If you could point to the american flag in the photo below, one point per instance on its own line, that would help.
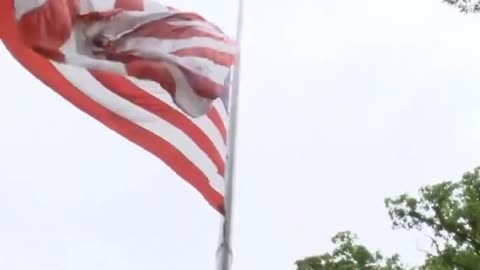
(153, 74)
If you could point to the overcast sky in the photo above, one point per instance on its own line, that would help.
(342, 104)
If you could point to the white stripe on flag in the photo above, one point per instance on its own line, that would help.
(204, 67)
(201, 25)
(205, 124)
(77, 53)
(218, 104)
(22, 7)
(152, 6)
(85, 82)
(171, 45)
(87, 6)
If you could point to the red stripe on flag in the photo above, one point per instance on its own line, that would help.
(37, 31)
(126, 89)
(47, 73)
(6, 13)
(202, 85)
(96, 16)
(218, 57)
(161, 29)
(129, 4)
(216, 119)
(151, 70)
(190, 16)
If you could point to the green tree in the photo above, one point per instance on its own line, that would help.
(348, 255)
(465, 6)
(450, 212)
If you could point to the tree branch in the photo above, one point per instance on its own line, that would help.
(461, 234)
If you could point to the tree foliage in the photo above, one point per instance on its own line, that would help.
(448, 213)
(465, 6)
(348, 255)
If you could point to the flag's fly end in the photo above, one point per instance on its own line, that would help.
(126, 100)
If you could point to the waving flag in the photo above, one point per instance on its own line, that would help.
(155, 75)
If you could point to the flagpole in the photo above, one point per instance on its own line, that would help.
(225, 249)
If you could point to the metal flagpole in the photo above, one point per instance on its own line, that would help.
(225, 249)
